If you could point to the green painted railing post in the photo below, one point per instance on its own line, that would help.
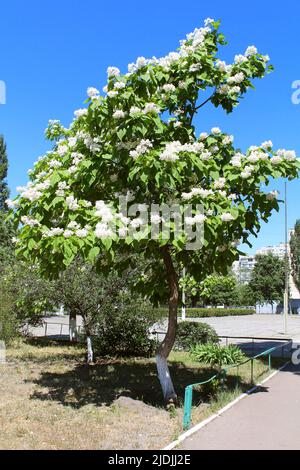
(270, 361)
(188, 400)
(252, 371)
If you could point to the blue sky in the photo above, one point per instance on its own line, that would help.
(51, 51)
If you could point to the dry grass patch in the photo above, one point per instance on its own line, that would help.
(50, 399)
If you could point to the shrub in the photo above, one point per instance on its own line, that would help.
(217, 312)
(217, 356)
(125, 332)
(9, 326)
(190, 334)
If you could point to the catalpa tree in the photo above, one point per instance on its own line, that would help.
(138, 141)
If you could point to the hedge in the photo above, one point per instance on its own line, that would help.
(210, 312)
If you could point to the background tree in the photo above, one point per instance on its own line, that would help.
(93, 294)
(218, 290)
(32, 297)
(4, 191)
(243, 296)
(295, 254)
(139, 141)
(267, 281)
(6, 227)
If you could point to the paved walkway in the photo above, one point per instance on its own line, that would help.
(56, 326)
(269, 419)
(255, 325)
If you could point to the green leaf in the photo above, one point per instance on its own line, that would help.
(93, 253)
(31, 244)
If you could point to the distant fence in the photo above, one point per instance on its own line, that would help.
(58, 330)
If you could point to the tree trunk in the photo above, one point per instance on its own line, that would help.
(73, 327)
(166, 346)
(195, 300)
(90, 353)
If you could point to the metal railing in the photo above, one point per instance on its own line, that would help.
(61, 325)
(188, 398)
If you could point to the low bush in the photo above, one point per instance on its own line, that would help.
(189, 334)
(124, 332)
(9, 326)
(217, 356)
(210, 312)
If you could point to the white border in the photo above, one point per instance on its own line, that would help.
(204, 423)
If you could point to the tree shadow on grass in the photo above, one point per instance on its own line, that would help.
(102, 384)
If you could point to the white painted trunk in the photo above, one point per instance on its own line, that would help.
(165, 379)
(90, 354)
(73, 329)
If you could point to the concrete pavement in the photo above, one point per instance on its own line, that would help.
(255, 325)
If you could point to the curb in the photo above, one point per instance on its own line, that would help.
(204, 423)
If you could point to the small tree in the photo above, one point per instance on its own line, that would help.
(267, 281)
(4, 191)
(295, 254)
(31, 297)
(139, 141)
(243, 295)
(90, 294)
(218, 290)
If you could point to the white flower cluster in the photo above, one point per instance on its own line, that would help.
(72, 203)
(216, 131)
(197, 219)
(113, 72)
(54, 164)
(236, 160)
(247, 172)
(80, 112)
(29, 221)
(192, 42)
(169, 88)
(172, 150)
(203, 193)
(33, 192)
(251, 50)
(151, 108)
(276, 160)
(11, 204)
(228, 140)
(257, 155)
(62, 187)
(141, 149)
(104, 211)
(229, 90)
(119, 114)
(267, 145)
(92, 143)
(236, 79)
(220, 183)
(103, 231)
(272, 195)
(227, 217)
(54, 232)
(93, 93)
(289, 155)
